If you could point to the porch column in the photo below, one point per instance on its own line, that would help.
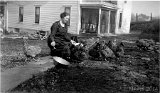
(79, 18)
(116, 22)
(99, 21)
(109, 22)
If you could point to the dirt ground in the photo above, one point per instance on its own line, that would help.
(138, 73)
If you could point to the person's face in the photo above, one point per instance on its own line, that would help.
(65, 19)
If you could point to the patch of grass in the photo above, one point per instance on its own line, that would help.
(12, 51)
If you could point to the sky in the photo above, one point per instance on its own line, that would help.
(146, 7)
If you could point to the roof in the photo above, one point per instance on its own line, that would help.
(99, 4)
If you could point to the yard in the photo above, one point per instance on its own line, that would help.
(12, 51)
(136, 74)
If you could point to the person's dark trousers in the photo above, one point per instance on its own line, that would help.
(60, 66)
(62, 49)
(75, 38)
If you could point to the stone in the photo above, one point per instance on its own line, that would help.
(136, 75)
(157, 43)
(144, 58)
(158, 51)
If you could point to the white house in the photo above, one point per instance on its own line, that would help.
(98, 17)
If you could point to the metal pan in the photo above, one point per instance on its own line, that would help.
(61, 60)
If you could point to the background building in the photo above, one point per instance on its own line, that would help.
(98, 17)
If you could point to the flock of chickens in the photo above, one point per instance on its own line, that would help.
(103, 50)
(93, 48)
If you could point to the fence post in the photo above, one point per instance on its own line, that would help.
(136, 17)
(151, 17)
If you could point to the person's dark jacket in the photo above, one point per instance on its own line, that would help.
(59, 33)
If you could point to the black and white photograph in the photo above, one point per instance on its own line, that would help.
(79, 46)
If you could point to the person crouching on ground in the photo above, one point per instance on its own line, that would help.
(59, 41)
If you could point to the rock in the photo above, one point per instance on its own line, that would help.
(128, 41)
(136, 75)
(151, 48)
(157, 43)
(109, 65)
(124, 68)
(119, 75)
(43, 60)
(158, 51)
(144, 58)
(145, 44)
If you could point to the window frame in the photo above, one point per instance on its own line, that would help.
(120, 19)
(37, 21)
(65, 10)
(21, 13)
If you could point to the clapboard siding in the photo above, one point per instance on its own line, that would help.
(49, 13)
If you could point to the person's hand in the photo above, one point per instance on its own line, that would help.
(81, 45)
(74, 43)
(53, 43)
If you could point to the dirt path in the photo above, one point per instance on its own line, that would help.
(90, 77)
(10, 78)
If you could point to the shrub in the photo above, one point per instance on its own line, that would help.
(152, 28)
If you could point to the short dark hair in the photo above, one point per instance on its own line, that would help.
(64, 14)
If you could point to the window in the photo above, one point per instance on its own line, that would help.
(2, 10)
(20, 14)
(37, 14)
(89, 20)
(120, 20)
(68, 10)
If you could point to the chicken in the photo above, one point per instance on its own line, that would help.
(101, 51)
(106, 52)
(117, 48)
(112, 45)
(94, 51)
(91, 42)
(78, 53)
(30, 50)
